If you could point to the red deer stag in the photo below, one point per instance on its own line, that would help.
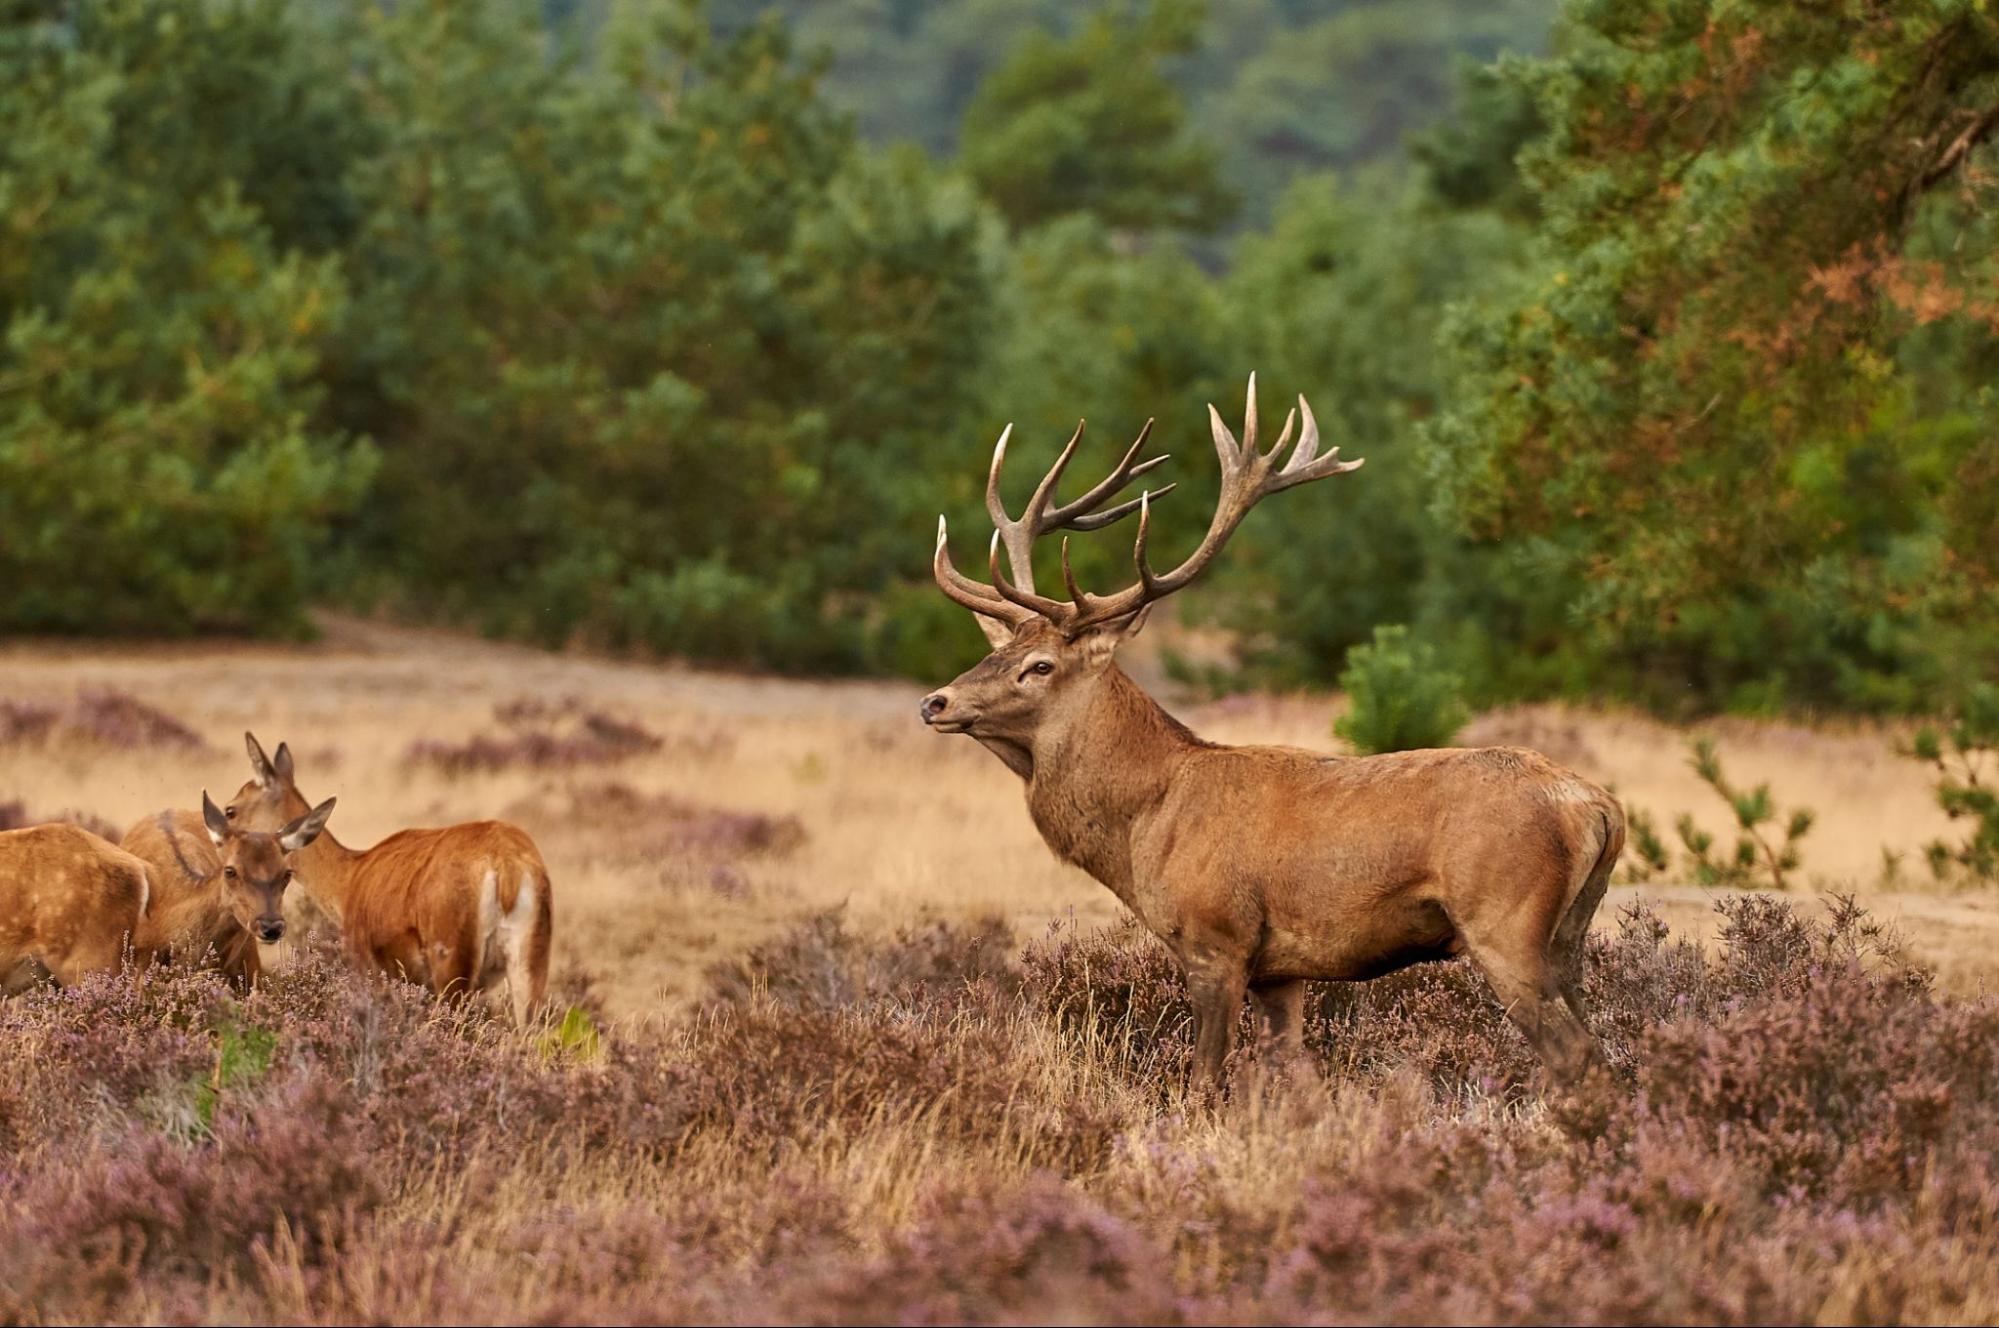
(70, 904)
(217, 885)
(1265, 867)
(459, 910)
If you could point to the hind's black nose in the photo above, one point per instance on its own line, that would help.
(934, 705)
(270, 933)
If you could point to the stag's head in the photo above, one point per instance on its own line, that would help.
(257, 865)
(1049, 655)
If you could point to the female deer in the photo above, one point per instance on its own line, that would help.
(217, 885)
(1264, 867)
(460, 910)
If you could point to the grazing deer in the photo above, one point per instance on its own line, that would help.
(1264, 867)
(217, 885)
(70, 904)
(459, 910)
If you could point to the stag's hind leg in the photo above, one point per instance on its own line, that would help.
(1535, 1001)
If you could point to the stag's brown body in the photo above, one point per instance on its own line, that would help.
(70, 904)
(1265, 867)
(462, 909)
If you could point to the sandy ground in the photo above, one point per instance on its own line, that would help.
(899, 825)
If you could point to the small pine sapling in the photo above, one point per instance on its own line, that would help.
(1966, 757)
(1758, 853)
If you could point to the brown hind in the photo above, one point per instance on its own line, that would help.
(462, 909)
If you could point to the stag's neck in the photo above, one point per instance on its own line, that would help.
(328, 867)
(1093, 779)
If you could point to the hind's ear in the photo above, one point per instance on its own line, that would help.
(282, 762)
(212, 817)
(260, 765)
(306, 828)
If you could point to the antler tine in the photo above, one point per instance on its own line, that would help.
(1072, 515)
(994, 508)
(1052, 609)
(1076, 595)
(1032, 518)
(963, 590)
(1109, 516)
(1305, 465)
(1248, 476)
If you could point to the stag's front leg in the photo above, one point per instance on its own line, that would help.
(1215, 987)
(1280, 1020)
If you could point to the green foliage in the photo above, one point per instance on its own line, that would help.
(242, 1056)
(575, 1038)
(1401, 699)
(1759, 855)
(161, 466)
(1727, 417)
(1649, 855)
(1966, 757)
(1093, 125)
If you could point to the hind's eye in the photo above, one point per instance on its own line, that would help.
(229, 812)
(230, 872)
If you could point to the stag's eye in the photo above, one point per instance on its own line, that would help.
(1043, 666)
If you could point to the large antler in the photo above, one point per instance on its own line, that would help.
(1248, 476)
(1015, 601)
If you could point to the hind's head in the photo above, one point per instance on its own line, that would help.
(257, 865)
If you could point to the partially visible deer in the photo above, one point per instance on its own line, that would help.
(1264, 867)
(218, 886)
(70, 904)
(460, 910)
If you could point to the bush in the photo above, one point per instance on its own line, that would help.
(1401, 699)
(1966, 757)
(916, 1129)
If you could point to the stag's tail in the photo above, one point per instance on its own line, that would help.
(1566, 946)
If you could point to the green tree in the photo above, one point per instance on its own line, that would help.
(1718, 437)
(161, 469)
(1094, 124)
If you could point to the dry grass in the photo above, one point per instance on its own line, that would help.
(898, 825)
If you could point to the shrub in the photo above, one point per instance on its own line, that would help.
(1966, 757)
(1757, 850)
(1402, 699)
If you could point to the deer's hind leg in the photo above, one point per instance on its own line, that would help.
(1524, 980)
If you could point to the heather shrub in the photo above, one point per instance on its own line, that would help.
(540, 735)
(917, 1128)
(821, 963)
(101, 715)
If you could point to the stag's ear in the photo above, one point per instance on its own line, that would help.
(212, 817)
(1099, 643)
(282, 762)
(260, 765)
(998, 634)
(306, 828)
